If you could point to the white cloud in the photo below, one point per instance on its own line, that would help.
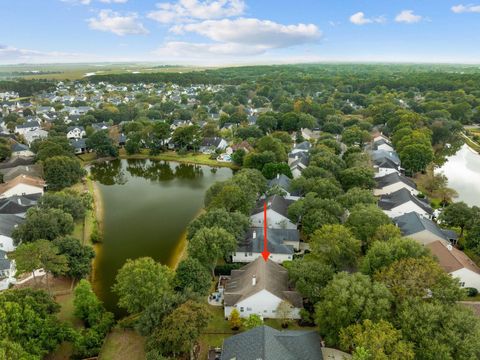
(360, 19)
(408, 16)
(470, 8)
(111, 21)
(10, 55)
(264, 34)
(113, 1)
(82, 2)
(202, 50)
(188, 10)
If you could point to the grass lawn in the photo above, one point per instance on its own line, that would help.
(87, 157)
(123, 344)
(66, 310)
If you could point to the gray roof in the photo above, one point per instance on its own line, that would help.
(18, 204)
(303, 146)
(78, 143)
(269, 275)
(4, 262)
(399, 197)
(379, 142)
(30, 170)
(384, 156)
(282, 181)
(28, 124)
(276, 202)
(413, 223)
(20, 160)
(19, 147)
(394, 178)
(266, 343)
(212, 141)
(8, 223)
(275, 237)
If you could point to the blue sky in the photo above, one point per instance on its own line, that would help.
(216, 32)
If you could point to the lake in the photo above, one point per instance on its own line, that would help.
(463, 173)
(147, 206)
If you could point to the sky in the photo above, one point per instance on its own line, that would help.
(220, 32)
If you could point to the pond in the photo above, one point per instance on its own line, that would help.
(146, 207)
(463, 173)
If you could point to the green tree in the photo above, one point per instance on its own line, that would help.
(349, 299)
(416, 157)
(387, 232)
(192, 275)
(102, 144)
(62, 171)
(140, 282)
(271, 170)
(364, 220)
(357, 177)
(235, 223)
(284, 312)
(67, 201)
(235, 320)
(53, 146)
(380, 339)
(79, 257)
(252, 321)
(356, 196)
(457, 214)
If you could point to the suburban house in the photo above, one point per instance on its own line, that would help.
(30, 170)
(266, 343)
(28, 126)
(22, 185)
(281, 183)
(244, 145)
(281, 244)
(79, 145)
(302, 147)
(382, 144)
(277, 217)
(456, 263)
(18, 205)
(297, 166)
(37, 134)
(421, 229)
(17, 161)
(385, 162)
(308, 134)
(393, 182)
(76, 132)
(20, 150)
(212, 144)
(179, 123)
(258, 288)
(8, 223)
(402, 202)
(101, 126)
(7, 271)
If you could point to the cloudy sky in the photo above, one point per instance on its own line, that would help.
(215, 32)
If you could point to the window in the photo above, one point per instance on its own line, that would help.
(264, 311)
(249, 309)
(246, 254)
(462, 284)
(241, 309)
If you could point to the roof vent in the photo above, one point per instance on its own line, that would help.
(254, 234)
(449, 247)
(254, 280)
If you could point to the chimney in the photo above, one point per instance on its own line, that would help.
(449, 247)
(254, 235)
(278, 176)
(254, 280)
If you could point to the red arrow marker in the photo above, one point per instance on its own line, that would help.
(265, 252)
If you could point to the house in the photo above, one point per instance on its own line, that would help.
(212, 144)
(20, 150)
(79, 146)
(277, 217)
(421, 229)
(258, 288)
(7, 271)
(402, 202)
(308, 134)
(281, 184)
(32, 135)
(282, 244)
(34, 170)
(266, 343)
(8, 223)
(302, 147)
(456, 263)
(17, 161)
(76, 132)
(385, 162)
(18, 205)
(299, 155)
(101, 126)
(382, 144)
(392, 182)
(22, 185)
(28, 126)
(244, 145)
(180, 123)
(297, 165)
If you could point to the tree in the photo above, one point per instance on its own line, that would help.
(335, 245)
(357, 176)
(62, 171)
(186, 137)
(235, 320)
(310, 276)
(472, 240)
(235, 223)
(382, 254)
(356, 196)
(43, 224)
(102, 144)
(67, 201)
(209, 244)
(271, 170)
(380, 339)
(140, 282)
(13, 350)
(457, 214)
(252, 321)
(180, 329)
(284, 312)
(410, 278)
(386, 232)
(53, 146)
(349, 299)
(364, 220)
(192, 275)
(416, 157)
(79, 257)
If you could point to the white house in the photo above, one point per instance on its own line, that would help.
(76, 132)
(421, 229)
(277, 217)
(281, 184)
(32, 135)
(7, 271)
(8, 223)
(22, 185)
(382, 144)
(28, 126)
(210, 145)
(21, 150)
(457, 264)
(258, 288)
(385, 162)
(280, 243)
(402, 202)
(392, 182)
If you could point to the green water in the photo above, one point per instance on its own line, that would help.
(146, 206)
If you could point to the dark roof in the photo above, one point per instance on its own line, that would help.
(299, 155)
(280, 180)
(28, 124)
(21, 160)
(17, 204)
(399, 197)
(379, 142)
(303, 146)
(8, 222)
(269, 275)
(70, 128)
(34, 170)
(19, 147)
(413, 223)
(266, 343)
(276, 202)
(380, 156)
(78, 143)
(253, 241)
(4, 262)
(394, 178)
(212, 141)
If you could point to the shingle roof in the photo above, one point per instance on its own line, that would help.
(451, 260)
(303, 146)
(212, 141)
(276, 202)
(413, 223)
(20, 160)
(394, 178)
(4, 262)
(8, 223)
(266, 343)
(269, 276)
(18, 204)
(22, 179)
(399, 197)
(380, 156)
(282, 181)
(275, 237)
(12, 173)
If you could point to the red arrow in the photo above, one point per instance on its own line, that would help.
(265, 252)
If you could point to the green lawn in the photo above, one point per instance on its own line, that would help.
(123, 344)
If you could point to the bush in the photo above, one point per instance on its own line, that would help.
(226, 269)
(96, 236)
(471, 291)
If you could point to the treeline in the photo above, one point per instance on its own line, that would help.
(27, 87)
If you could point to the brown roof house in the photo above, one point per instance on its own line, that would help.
(457, 264)
(22, 185)
(258, 288)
